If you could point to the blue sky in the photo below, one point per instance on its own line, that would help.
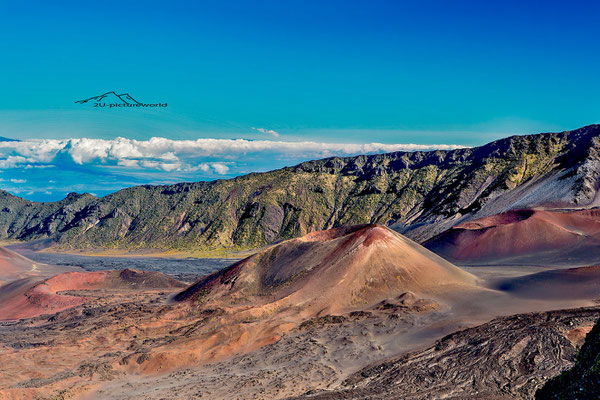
(324, 74)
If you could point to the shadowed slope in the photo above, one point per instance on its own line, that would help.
(572, 235)
(583, 380)
(572, 283)
(331, 271)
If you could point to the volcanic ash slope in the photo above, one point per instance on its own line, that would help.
(332, 271)
(532, 236)
(14, 266)
(255, 301)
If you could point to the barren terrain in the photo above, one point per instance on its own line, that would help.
(343, 313)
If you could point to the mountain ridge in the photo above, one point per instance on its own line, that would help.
(419, 194)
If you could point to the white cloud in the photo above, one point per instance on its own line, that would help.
(18, 180)
(220, 168)
(13, 162)
(129, 163)
(204, 167)
(161, 154)
(267, 131)
(36, 150)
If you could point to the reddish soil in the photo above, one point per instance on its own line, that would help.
(259, 299)
(331, 271)
(297, 316)
(569, 234)
(27, 297)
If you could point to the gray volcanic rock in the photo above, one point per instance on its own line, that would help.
(583, 380)
(507, 358)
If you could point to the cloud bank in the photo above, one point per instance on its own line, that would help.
(178, 155)
(48, 169)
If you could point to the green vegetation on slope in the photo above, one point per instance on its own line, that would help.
(419, 193)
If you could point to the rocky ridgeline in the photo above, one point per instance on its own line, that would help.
(417, 193)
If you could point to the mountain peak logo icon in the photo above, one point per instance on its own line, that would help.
(110, 97)
(114, 100)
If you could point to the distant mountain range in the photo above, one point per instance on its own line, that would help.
(419, 194)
